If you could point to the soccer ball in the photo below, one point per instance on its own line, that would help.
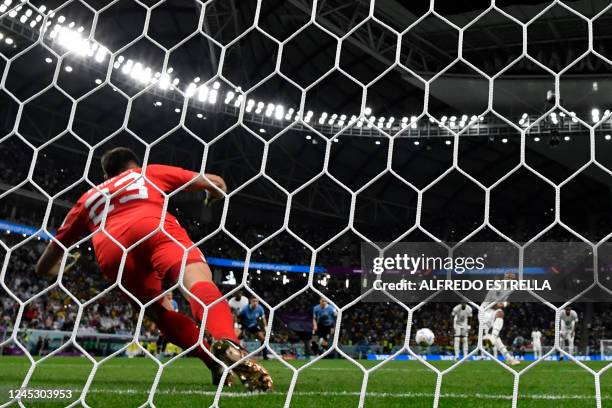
(424, 337)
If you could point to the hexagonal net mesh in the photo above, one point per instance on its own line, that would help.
(179, 78)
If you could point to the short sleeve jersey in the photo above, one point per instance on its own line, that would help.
(136, 198)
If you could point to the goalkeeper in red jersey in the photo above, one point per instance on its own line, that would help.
(135, 212)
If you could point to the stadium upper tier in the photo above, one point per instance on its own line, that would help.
(206, 95)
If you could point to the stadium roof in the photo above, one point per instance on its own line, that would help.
(427, 47)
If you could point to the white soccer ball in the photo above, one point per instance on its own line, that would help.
(424, 337)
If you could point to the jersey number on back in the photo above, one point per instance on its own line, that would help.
(97, 200)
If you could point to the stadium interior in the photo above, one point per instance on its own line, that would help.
(317, 160)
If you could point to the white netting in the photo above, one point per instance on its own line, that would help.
(64, 42)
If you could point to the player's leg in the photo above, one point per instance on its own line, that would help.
(464, 337)
(198, 282)
(498, 324)
(562, 345)
(457, 340)
(261, 336)
(220, 324)
(570, 343)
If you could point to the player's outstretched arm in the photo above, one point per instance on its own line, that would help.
(48, 264)
(213, 184)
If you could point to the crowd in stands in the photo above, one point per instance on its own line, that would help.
(371, 325)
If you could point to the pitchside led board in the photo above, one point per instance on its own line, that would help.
(486, 272)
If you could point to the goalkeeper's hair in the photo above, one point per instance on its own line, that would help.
(116, 160)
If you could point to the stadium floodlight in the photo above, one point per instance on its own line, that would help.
(136, 70)
(212, 96)
(229, 96)
(595, 115)
(164, 81)
(279, 112)
(47, 60)
(238, 100)
(443, 119)
(127, 67)
(269, 109)
(504, 140)
(203, 93)
(157, 103)
(567, 138)
(608, 137)
(191, 90)
(536, 139)
(308, 137)
(68, 68)
(448, 142)
(367, 111)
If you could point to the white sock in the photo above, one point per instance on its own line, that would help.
(498, 323)
(457, 340)
(500, 346)
(465, 346)
(571, 349)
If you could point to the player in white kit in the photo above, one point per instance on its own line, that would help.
(569, 318)
(491, 318)
(461, 315)
(536, 343)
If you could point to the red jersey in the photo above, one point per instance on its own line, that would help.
(138, 200)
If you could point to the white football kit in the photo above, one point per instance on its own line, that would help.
(492, 324)
(461, 326)
(238, 305)
(568, 330)
(536, 343)
(460, 319)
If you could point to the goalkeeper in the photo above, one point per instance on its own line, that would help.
(130, 209)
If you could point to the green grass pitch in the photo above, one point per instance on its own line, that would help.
(123, 382)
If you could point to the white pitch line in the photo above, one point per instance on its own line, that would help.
(548, 397)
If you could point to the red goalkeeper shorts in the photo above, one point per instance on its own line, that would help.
(152, 261)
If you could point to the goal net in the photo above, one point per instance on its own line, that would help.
(335, 124)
